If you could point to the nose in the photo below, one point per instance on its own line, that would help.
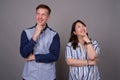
(39, 16)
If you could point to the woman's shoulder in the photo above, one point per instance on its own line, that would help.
(94, 42)
(69, 44)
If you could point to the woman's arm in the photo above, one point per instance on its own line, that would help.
(78, 63)
(92, 55)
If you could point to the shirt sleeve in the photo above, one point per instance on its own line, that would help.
(53, 52)
(26, 46)
(96, 47)
(68, 52)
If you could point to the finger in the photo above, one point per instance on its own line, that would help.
(39, 24)
(39, 21)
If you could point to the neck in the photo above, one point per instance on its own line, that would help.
(44, 27)
(80, 39)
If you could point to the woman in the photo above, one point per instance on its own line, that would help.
(82, 54)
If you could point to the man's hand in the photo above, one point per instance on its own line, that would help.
(38, 30)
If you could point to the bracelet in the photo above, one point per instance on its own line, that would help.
(88, 43)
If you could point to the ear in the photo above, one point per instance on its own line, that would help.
(49, 16)
(74, 32)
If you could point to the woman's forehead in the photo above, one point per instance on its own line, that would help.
(79, 24)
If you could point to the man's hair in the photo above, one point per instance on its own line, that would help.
(44, 7)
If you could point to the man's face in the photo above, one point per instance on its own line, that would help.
(42, 16)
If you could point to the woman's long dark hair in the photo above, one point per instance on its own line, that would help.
(73, 37)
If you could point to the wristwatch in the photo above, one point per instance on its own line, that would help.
(88, 43)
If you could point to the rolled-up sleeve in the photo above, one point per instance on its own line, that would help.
(96, 47)
(68, 52)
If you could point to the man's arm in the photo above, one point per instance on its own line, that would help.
(26, 46)
(53, 52)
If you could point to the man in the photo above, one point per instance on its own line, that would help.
(40, 47)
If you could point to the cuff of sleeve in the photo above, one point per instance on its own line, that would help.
(37, 58)
(34, 42)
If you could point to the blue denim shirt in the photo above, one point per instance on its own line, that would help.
(46, 50)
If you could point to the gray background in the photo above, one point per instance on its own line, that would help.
(101, 16)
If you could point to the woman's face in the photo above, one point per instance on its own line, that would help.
(80, 29)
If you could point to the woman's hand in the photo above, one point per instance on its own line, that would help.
(30, 58)
(86, 38)
(91, 62)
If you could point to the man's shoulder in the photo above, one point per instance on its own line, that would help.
(52, 30)
(30, 28)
